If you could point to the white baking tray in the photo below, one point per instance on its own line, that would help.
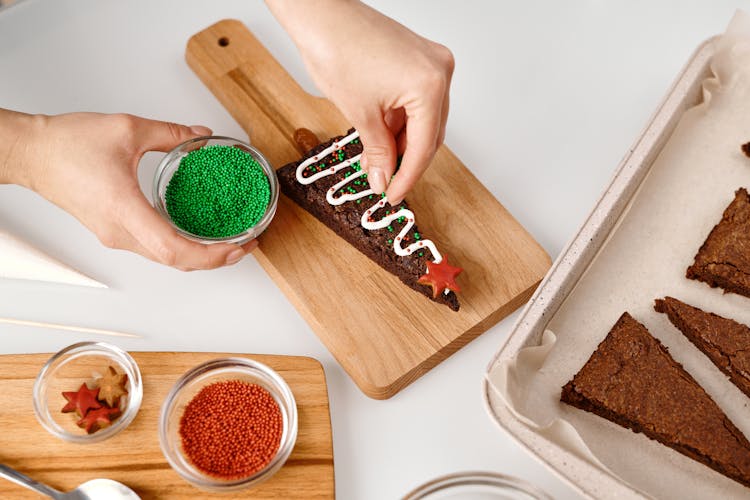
(590, 480)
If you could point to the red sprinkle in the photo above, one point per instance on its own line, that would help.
(231, 429)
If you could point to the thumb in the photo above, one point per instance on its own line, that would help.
(379, 152)
(165, 136)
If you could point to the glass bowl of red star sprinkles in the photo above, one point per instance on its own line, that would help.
(228, 424)
(88, 392)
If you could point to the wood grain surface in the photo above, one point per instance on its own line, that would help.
(133, 456)
(384, 334)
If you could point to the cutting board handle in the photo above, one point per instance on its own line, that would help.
(257, 90)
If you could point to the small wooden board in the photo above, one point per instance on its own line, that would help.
(384, 334)
(134, 457)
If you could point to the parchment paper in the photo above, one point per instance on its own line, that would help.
(683, 196)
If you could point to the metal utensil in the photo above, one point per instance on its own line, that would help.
(96, 489)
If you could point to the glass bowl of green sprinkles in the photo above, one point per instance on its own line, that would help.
(216, 190)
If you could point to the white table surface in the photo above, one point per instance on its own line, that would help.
(547, 97)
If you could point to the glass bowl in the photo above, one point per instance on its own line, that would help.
(477, 485)
(171, 162)
(218, 370)
(74, 365)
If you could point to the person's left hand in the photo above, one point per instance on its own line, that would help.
(86, 163)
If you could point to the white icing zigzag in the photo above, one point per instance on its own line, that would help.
(367, 220)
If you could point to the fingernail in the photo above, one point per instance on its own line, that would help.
(200, 130)
(235, 256)
(392, 199)
(249, 247)
(376, 177)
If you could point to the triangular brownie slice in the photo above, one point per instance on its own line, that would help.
(724, 258)
(329, 183)
(725, 341)
(633, 381)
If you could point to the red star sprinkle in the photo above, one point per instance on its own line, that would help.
(82, 400)
(441, 277)
(97, 419)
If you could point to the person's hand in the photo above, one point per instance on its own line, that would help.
(391, 83)
(86, 163)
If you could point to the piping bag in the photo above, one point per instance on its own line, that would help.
(20, 260)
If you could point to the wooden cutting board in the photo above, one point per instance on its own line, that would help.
(384, 334)
(134, 457)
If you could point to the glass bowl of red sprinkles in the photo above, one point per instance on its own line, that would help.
(88, 392)
(228, 424)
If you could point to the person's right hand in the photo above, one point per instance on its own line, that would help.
(86, 163)
(389, 82)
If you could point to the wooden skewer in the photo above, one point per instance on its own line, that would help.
(82, 329)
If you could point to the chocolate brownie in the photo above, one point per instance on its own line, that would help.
(632, 380)
(346, 218)
(725, 341)
(724, 258)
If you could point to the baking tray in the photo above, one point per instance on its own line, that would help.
(572, 263)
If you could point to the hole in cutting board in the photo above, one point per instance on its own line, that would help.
(223, 41)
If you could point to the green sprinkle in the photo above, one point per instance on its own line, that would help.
(390, 241)
(417, 236)
(421, 254)
(217, 191)
(390, 228)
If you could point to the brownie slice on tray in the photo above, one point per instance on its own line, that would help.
(632, 380)
(725, 341)
(329, 183)
(724, 258)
